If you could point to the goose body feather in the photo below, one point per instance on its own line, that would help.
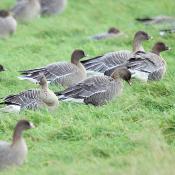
(95, 90)
(65, 74)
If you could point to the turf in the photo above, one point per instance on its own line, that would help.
(134, 134)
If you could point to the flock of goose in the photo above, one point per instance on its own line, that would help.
(94, 81)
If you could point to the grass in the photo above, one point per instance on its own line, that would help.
(134, 134)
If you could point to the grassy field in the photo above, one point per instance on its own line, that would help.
(134, 134)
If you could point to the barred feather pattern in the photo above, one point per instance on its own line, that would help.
(102, 63)
(95, 90)
(29, 99)
(65, 74)
(149, 63)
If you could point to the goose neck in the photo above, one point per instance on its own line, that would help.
(137, 45)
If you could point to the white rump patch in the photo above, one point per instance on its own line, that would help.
(11, 109)
(143, 76)
(29, 79)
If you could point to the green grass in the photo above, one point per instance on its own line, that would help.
(134, 134)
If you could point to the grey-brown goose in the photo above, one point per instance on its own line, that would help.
(147, 65)
(15, 153)
(62, 73)
(8, 24)
(50, 7)
(111, 33)
(111, 59)
(97, 90)
(157, 20)
(31, 99)
(26, 10)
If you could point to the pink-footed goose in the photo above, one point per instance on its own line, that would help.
(26, 10)
(15, 153)
(50, 7)
(146, 65)
(8, 24)
(97, 90)
(111, 33)
(31, 99)
(111, 59)
(63, 73)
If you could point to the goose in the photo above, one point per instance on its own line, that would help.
(146, 65)
(49, 7)
(31, 99)
(2, 68)
(111, 33)
(102, 63)
(157, 20)
(8, 24)
(26, 10)
(97, 90)
(15, 153)
(62, 73)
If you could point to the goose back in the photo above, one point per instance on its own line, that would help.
(26, 10)
(65, 74)
(149, 63)
(104, 62)
(49, 7)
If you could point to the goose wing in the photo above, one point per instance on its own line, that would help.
(55, 73)
(87, 88)
(29, 99)
(145, 62)
(102, 63)
(19, 7)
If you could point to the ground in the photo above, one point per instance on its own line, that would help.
(133, 134)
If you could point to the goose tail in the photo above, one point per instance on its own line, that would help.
(10, 108)
(27, 78)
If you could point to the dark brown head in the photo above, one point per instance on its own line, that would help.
(141, 35)
(113, 30)
(4, 13)
(21, 126)
(42, 79)
(77, 55)
(159, 47)
(123, 73)
(24, 125)
(2, 68)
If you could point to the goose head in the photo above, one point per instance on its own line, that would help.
(77, 55)
(113, 30)
(4, 13)
(21, 126)
(42, 80)
(2, 68)
(142, 36)
(123, 73)
(24, 125)
(159, 47)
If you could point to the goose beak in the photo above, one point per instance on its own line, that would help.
(150, 38)
(168, 48)
(129, 82)
(32, 125)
